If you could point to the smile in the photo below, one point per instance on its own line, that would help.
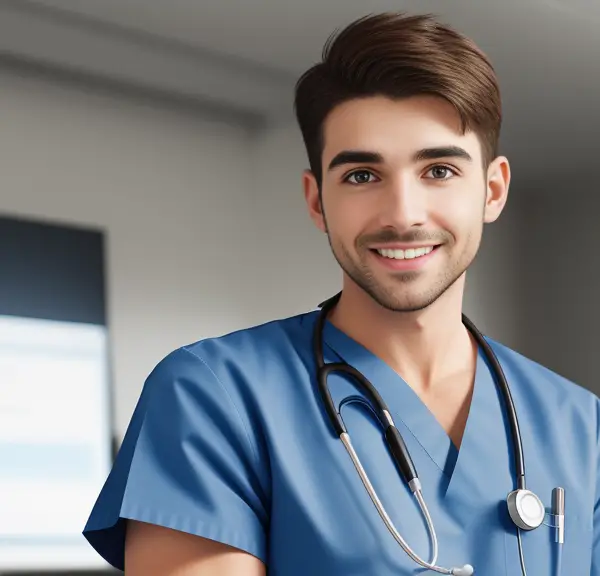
(408, 254)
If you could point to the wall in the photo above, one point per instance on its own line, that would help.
(559, 277)
(295, 266)
(171, 189)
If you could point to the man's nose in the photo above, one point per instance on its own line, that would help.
(404, 204)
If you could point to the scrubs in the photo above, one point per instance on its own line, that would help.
(230, 441)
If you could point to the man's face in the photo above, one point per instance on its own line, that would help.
(404, 197)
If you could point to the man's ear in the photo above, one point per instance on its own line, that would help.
(312, 195)
(498, 183)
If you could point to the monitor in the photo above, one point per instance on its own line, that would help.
(55, 401)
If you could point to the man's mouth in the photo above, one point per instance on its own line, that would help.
(406, 254)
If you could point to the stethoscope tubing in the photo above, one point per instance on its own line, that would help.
(394, 440)
(379, 405)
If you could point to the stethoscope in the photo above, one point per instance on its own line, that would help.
(525, 508)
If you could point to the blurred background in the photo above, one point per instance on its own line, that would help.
(151, 196)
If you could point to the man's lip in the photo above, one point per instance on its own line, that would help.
(402, 246)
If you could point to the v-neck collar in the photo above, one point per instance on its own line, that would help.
(406, 406)
(480, 473)
(403, 402)
(483, 472)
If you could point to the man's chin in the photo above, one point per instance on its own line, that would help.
(402, 300)
(405, 305)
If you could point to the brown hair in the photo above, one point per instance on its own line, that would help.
(399, 56)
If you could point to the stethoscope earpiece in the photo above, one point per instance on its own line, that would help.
(525, 509)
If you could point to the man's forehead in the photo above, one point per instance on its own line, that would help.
(394, 130)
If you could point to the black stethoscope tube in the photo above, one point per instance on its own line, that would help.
(393, 437)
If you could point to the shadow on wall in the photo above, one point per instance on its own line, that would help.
(559, 280)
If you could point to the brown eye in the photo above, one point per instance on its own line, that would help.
(360, 177)
(441, 172)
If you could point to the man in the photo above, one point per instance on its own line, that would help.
(231, 465)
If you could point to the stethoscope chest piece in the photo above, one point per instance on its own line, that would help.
(525, 509)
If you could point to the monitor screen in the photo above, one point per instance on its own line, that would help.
(55, 393)
(55, 448)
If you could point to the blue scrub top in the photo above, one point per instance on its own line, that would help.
(230, 441)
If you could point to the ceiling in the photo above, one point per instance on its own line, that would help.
(247, 53)
(288, 35)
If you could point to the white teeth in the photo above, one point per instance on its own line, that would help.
(406, 254)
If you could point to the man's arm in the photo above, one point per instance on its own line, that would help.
(156, 551)
(190, 464)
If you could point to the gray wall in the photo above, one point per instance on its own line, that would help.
(558, 272)
(171, 189)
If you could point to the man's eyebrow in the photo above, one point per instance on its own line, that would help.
(442, 152)
(355, 157)
(368, 157)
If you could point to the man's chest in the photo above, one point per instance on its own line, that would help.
(450, 403)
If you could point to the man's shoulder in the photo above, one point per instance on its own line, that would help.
(266, 335)
(530, 375)
(250, 347)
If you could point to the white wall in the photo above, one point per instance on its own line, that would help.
(173, 192)
(296, 269)
(206, 224)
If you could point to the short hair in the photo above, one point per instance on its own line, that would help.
(399, 56)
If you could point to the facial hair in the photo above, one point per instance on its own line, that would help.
(396, 294)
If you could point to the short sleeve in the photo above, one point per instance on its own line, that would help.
(187, 462)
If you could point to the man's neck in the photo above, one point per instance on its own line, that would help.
(426, 347)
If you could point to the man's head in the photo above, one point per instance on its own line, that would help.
(401, 123)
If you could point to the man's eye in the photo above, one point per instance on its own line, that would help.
(360, 177)
(441, 172)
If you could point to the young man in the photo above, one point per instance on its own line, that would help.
(233, 465)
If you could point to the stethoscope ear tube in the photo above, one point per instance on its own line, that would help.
(401, 455)
(509, 405)
(324, 370)
(335, 418)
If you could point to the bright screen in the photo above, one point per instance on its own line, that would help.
(55, 441)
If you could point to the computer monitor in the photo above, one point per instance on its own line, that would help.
(55, 399)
